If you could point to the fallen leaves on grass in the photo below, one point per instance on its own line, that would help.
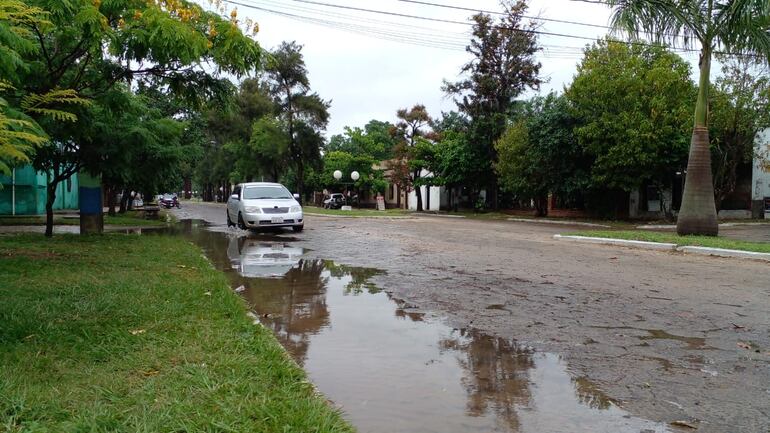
(138, 331)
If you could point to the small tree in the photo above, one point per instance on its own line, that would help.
(740, 110)
(411, 132)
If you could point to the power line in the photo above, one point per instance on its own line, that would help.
(489, 12)
(440, 20)
(454, 41)
(418, 17)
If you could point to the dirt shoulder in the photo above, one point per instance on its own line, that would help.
(667, 336)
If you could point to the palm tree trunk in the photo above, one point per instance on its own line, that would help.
(698, 215)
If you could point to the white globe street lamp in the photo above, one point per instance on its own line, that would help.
(337, 174)
(355, 176)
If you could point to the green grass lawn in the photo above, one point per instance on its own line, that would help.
(356, 212)
(699, 241)
(132, 218)
(125, 333)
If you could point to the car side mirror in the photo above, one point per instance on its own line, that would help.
(296, 197)
(235, 197)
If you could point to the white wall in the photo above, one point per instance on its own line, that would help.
(435, 196)
(761, 178)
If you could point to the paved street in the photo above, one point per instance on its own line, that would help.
(667, 336)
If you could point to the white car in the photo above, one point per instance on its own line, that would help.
(260, 205)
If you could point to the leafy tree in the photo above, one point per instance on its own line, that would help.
(631, 103)
(305, 114)
(740, 109)
(737, 26)
(503, 67)
(91, 46)
(539, 154)
(19, 133)
(375, 140)
(369, 180)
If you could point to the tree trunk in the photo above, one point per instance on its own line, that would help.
(417, 190)
(124, 201)
(300, 179)
(698, 215)
(111, 200)
(51, 197)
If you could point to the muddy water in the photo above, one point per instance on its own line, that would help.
(391, 368)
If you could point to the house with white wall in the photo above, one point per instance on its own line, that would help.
(434, 198)
(760, 180)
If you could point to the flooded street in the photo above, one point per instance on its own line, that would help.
(666, 337)
(393, 368)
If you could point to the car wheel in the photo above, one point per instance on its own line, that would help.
(229, 223)
(241, 224)
(298, 229)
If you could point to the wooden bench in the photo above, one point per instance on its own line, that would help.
(151, 212)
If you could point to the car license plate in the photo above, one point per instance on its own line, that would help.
(277, 220)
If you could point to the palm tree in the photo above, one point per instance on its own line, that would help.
(740, 27)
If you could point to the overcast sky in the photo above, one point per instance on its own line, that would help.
(369, 77)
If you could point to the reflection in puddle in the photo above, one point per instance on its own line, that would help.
(392, 369)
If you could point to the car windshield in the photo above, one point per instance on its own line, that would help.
(266, 192)
(168, 196)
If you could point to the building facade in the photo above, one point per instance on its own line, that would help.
(24, 192)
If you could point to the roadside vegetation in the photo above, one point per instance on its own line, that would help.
(673, 238)
(138, 333)
(133, 219)
(356, 212)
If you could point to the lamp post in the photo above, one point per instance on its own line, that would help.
(353, 175)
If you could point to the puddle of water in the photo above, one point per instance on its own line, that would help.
(396, 370)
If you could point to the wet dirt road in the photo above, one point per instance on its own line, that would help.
(666, 337)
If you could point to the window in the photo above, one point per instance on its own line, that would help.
(266, 193)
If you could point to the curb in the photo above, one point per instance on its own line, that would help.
(565, 222)
(659, 246)
(618, 242)
(719, 252)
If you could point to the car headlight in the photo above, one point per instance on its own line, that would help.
(295, 209)
(252, 209)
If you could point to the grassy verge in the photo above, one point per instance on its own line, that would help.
(128, 333)
(133, 219)
(356, 212)
(699, 241)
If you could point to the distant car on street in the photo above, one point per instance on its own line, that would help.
(258, 205)
(335, 201)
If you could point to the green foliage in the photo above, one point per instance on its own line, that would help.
(371, 179)
(539, 155)
(374, 140)
(304, 114)
(632, 104)
(740, 109)
(133, 144)
(503, 67)
(19, 135)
